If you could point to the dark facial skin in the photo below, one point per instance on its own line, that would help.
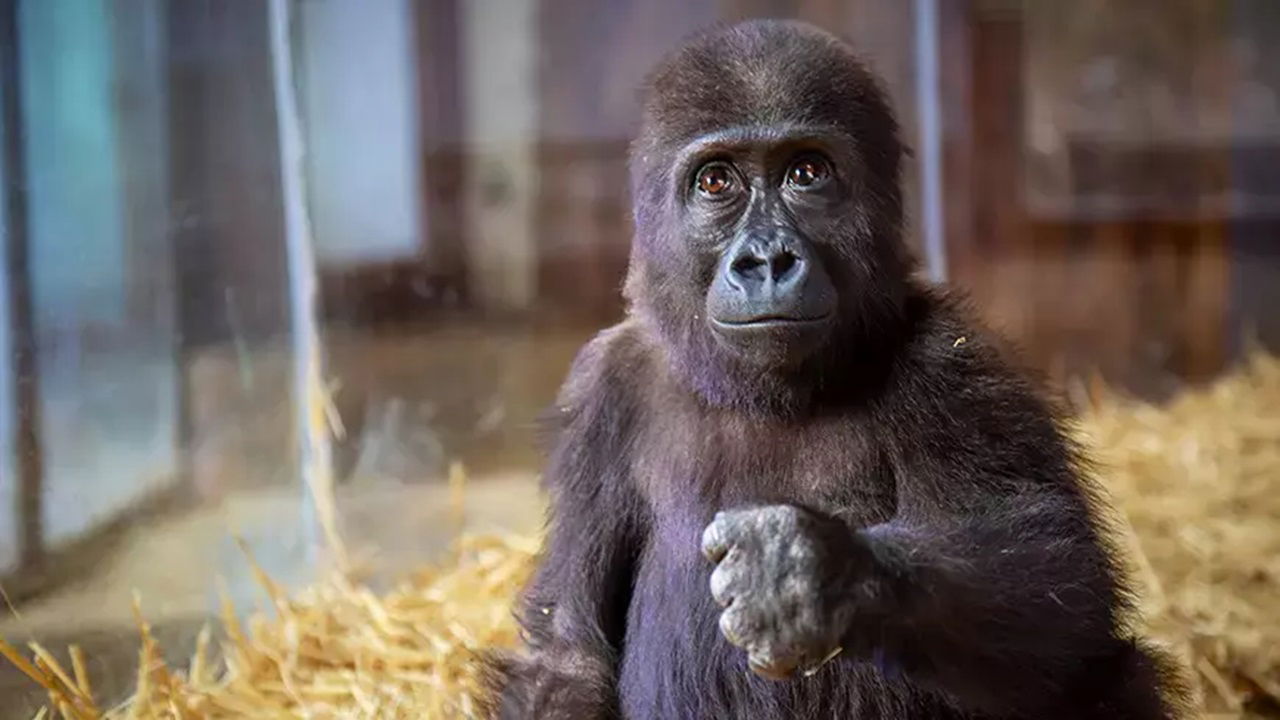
(795, 482)
(753, 200)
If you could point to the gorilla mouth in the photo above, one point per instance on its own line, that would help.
(766, 321)
(772, 339)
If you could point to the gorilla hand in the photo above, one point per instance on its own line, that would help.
(787, 579)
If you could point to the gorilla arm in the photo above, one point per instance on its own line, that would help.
(991, 584)
(998, 583)
(574, 609)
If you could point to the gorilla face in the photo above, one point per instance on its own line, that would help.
(755, 211)
(766, 194)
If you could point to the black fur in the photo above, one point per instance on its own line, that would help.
(958, 556)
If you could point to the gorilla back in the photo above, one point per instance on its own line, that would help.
(796, 482)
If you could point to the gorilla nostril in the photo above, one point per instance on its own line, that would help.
(749, 266)
(782, 265)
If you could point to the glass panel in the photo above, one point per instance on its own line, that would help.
(100, 262)
(1108, 193)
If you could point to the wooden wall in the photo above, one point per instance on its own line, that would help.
(1109, 246)
(1152, 292)
(594, 60)
(225, 201)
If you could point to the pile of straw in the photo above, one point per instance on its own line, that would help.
(335, 650)
(1198, 482)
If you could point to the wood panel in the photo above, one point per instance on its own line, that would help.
(584, 224)
(594, 59)
(441, 74)
(1145, 297)
(224, 200)
(593, 62)
(1127, 270)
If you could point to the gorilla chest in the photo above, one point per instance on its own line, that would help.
(676, 663)
(690, 469)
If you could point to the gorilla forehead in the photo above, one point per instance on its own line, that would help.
(758, 73)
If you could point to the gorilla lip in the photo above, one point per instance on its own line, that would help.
(769, 321)
(775, 340)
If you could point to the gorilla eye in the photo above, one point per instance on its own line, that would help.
(808, 172)
(714, 179)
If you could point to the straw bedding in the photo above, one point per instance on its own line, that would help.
(1198, 481)
(1196, 484)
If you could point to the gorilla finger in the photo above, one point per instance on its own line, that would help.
(726, 580)
(719, 535)
(773, 666)
(737, 626)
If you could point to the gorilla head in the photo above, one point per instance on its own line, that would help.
(768, 213)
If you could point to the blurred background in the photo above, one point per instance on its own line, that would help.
(1102, 177)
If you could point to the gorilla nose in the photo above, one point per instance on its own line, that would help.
(763, 264)
(768, 277)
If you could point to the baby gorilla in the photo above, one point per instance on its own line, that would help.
(794, 458)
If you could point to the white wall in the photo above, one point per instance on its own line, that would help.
(359, 100)
(501, 123)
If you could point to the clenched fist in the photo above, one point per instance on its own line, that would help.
(787, 579)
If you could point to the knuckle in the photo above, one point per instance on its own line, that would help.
(733, 626)
(722, 584)
(713, 542)
(744, 626)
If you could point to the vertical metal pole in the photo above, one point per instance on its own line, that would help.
(24, 378)
(928, 100)
(310, 417)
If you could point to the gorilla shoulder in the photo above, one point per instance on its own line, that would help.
(612, 362)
